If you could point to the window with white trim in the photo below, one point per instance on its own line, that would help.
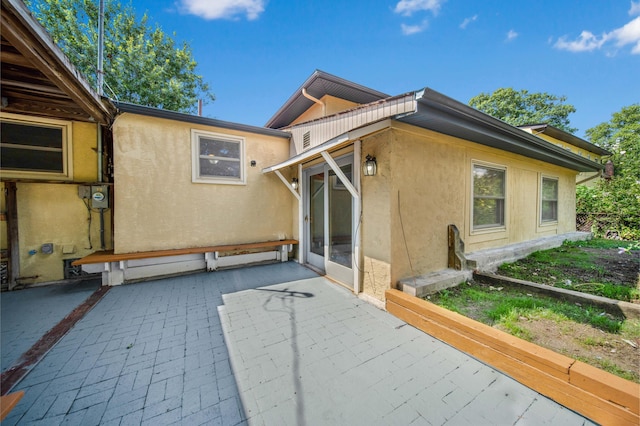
(489, 185)
(35, 148)
(548, 199)
(217, 158)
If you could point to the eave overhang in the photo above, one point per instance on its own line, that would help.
(318, 85)
(440, 113)
(124, 107)
(561, 135)
(37, 78)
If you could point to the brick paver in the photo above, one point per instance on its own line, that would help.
(271, 345)
(42, 307)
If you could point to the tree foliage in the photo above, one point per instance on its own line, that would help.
(519, 108)
(142, 64)
(618, 197)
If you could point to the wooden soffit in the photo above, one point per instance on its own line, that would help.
(36, 76)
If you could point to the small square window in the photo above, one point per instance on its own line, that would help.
(35, 149)
(488, 197)
(217, 158)
(549, 200)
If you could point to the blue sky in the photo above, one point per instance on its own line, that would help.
(256, 53)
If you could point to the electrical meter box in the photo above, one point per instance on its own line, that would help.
(100, 196)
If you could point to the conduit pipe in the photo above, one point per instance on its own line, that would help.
(318, 101)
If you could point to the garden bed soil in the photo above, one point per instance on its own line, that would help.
(581, 341)
(585, 343)
(609, 265)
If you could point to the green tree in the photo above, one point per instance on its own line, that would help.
(519, 108)
(142, 64)
(618, 197)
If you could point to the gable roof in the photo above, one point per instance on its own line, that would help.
(318, 85)
(37, 77)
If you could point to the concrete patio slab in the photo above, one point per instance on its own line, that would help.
(272, 345)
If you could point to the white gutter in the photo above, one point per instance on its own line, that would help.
(318, 101)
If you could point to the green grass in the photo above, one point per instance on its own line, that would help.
(502, 306)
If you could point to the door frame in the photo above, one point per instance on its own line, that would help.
(350, 277)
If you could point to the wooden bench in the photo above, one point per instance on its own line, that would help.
(117, 268)
(7, 402)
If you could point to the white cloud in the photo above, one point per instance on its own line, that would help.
(467, 21)
(511, 35)
(585, 43)
(635, 8)
(414, 29)
(408, 7)
(628, 34)
(219, 9)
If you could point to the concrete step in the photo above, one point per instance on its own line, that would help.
(433, 282)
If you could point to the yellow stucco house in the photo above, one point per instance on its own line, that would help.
(375, 191)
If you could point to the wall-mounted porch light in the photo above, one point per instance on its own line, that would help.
(294, 184)
(370, 166)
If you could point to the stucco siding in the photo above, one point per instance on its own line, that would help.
(376, 217)
(424, 183)
(428, 195)
(332, 105)
(159, 207)
(85, 152)
(53, 213)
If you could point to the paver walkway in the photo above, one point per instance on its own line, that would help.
(303, 351)
(28, 314)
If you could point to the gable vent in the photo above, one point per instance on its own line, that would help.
(306, 140)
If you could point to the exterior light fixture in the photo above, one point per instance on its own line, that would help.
(370, 166)
(294, 184)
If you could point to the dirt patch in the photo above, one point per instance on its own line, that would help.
(604, 272)
(585, 343)
(612, 266)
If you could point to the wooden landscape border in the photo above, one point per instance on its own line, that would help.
(594, 393)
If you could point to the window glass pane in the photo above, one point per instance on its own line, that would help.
(217, 148)
(549, 208)
(488, 197)
(488, 213)
(340, 225)
(37, 136)
(549, 189)
(219, 168)
(29, 160)
(488, 182)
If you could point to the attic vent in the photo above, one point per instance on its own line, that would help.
(306, 140)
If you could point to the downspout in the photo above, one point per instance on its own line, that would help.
(318, 101)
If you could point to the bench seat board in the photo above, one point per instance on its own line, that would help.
(110, 256)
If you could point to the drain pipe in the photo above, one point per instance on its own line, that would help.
(318, 101)
(100, 84)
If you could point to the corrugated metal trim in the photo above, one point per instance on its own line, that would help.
(332, 144)
(188, 118)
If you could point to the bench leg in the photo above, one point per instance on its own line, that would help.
(211, 260)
